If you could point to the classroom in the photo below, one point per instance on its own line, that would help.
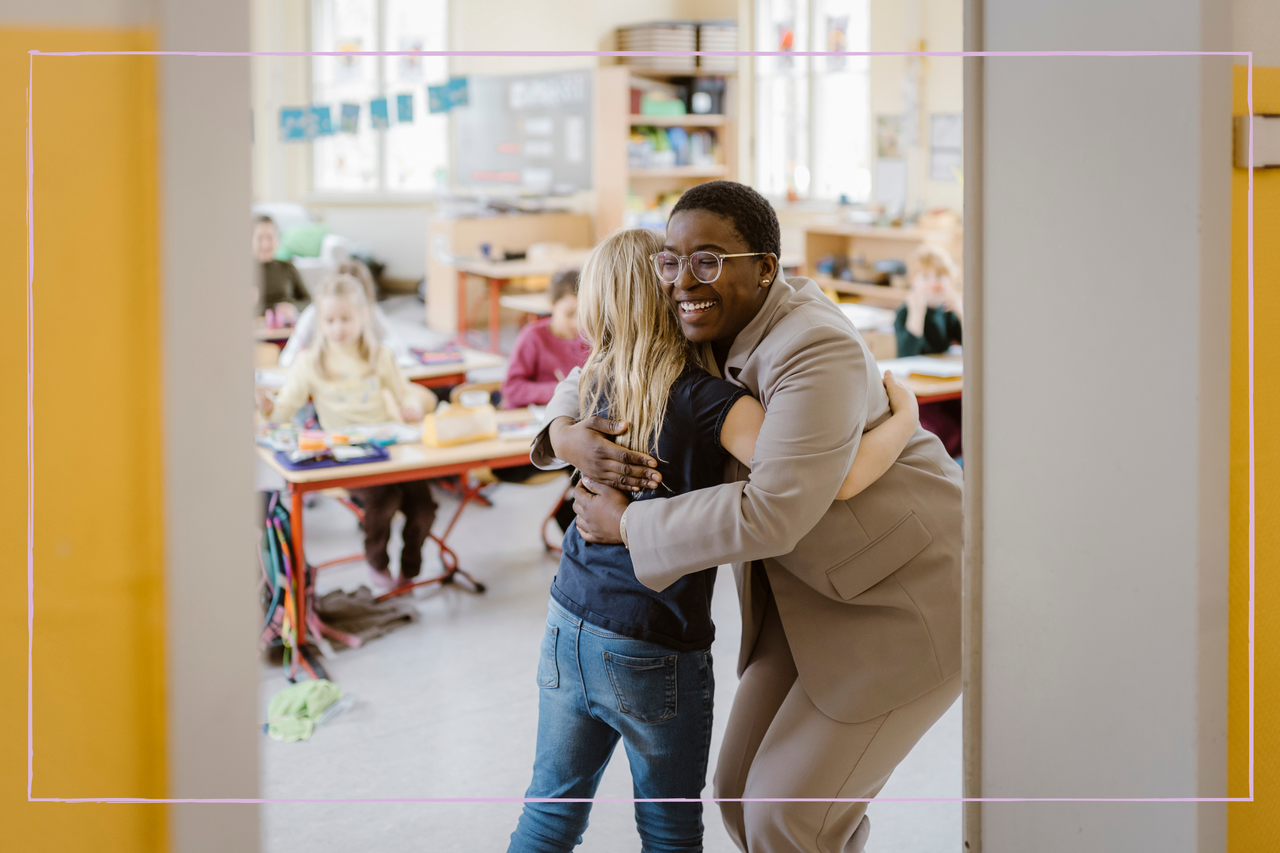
(725, 425)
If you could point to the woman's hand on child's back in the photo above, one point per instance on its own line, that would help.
(584, 446)
(901, 400)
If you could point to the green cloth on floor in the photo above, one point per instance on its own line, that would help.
(292, 713)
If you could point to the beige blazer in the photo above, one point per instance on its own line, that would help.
(868, 589)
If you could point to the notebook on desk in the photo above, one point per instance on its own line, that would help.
(439, 355)
(921, 365)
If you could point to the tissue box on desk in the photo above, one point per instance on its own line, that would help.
(459, 424)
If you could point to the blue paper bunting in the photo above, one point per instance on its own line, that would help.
(438, 99)
(350, 121)
(293, 124)
(321, 122)
(458, 92)
(404, 109)
(378, 117)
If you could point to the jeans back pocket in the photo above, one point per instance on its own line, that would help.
(548, 670)
(645, 687)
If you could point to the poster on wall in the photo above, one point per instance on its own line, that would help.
(889, 136)
(946, 151)
(837, 41)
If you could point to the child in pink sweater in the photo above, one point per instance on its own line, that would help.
(546, 350)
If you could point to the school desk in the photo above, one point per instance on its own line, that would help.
(426, 375)
(500, 273)
(929, 389)
(408, 462)
(538, 304)
(278, 336)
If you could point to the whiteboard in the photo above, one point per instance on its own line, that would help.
(529, 132)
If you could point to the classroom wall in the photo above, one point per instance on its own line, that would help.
(99, 641)
(1104, 449)
(913, 25)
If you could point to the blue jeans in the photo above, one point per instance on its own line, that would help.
(597, 687)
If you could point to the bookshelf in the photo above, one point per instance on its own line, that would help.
(615, 179)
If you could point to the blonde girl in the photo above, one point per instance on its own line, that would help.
(620, 661)
(353, 379)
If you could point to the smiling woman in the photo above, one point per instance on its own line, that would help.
(851, 609)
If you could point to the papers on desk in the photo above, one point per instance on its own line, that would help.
(523, 429)
(268, 377)
(866, 318)
(921, 365)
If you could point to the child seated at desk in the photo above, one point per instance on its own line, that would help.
(352, 379)
(305, 328)
(929, 322)
(546, 350)
(280, 286)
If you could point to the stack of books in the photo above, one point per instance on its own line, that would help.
(718, 35)
(664, 36)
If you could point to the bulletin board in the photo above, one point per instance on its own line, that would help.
(529, 131)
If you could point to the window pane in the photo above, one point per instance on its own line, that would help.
(782, 92)
(841, 101)
(419, 151)
(345, 161)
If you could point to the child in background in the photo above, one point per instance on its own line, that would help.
(304, 329)
(620, 661)
(352, 379)
(546, 350)
(279, 284)
(929, 322)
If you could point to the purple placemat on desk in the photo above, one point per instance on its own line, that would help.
(380, 454)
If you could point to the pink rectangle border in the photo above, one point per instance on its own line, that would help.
(30, 327)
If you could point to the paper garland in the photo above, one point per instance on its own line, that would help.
(303, 124)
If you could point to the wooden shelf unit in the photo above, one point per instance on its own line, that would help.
(688, 120)
(614, 120)
(874, 243)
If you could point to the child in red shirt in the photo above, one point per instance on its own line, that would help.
(546, 350)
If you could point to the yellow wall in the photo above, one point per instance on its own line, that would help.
(1255, 826)
(99, 637)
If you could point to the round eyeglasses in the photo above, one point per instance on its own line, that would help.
(705, 266)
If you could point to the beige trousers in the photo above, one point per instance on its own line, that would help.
(778, 744)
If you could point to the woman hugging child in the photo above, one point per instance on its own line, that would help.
(618, 660)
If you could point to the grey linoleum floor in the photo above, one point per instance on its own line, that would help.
(447, 707)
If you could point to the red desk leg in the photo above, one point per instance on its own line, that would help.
(495, 292)
(462, 307)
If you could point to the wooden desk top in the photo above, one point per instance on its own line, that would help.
(529, 303)
(472, 360)
(262, 333)
(524, 268)
(413, 457)
(927, 388)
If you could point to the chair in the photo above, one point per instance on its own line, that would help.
(486, 475)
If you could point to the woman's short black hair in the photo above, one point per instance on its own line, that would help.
(751, 214)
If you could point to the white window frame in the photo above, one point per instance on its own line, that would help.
(382, 194)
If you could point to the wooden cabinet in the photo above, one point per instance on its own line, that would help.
(450, 238)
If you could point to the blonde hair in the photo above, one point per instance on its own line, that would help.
(931, 256)
(343, 286)
(357, 269)
(637, 348)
